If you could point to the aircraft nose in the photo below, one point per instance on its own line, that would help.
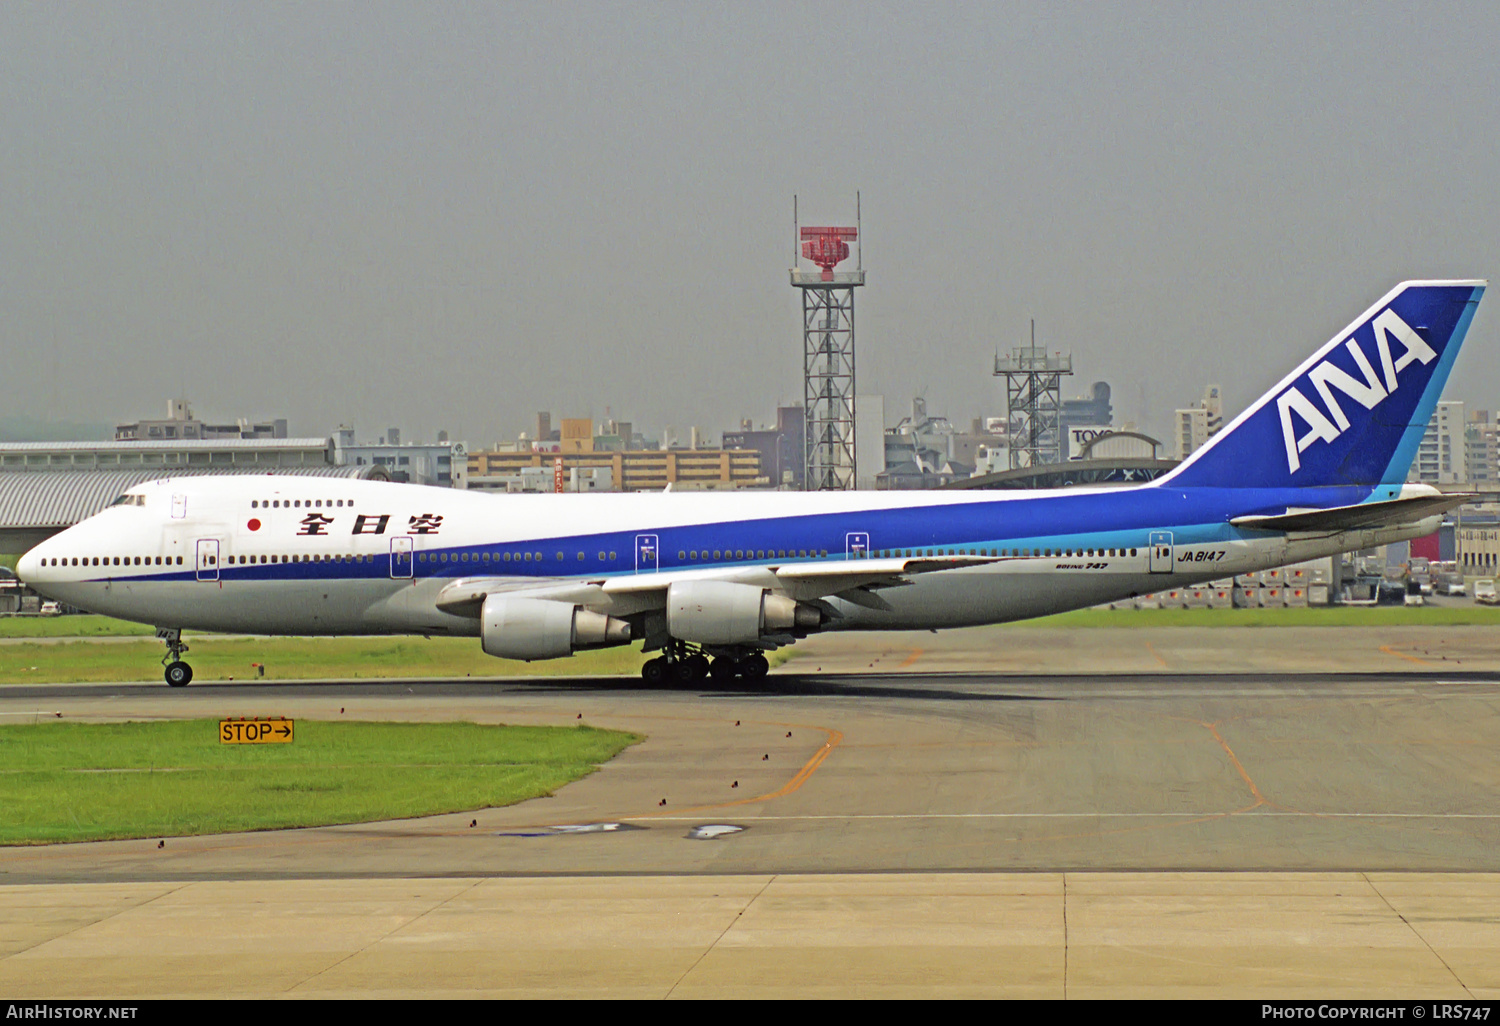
(27, 566)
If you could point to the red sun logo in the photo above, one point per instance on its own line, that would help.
(254, 524)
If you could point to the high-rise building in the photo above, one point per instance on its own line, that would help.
(1441, 454)
(1482, 447)
(1197, 424)
(1093, 409)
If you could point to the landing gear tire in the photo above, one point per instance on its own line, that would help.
(754, 667)
(722, 669)
(179, 674)
(698, 666)
(656, 671)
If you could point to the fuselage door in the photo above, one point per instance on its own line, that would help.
(208, 559)
(179, 507)
(645, 553)
(1161, 552)
(401, 556)
(857, 545)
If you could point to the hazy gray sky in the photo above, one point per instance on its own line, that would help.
(453, 215)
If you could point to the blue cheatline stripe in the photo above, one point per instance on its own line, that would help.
(1056, 521)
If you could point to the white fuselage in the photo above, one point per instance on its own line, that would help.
(293, 555)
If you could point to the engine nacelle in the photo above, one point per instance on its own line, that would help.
(725, 613)
(522, 628)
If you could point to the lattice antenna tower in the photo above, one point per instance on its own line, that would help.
(1033, 402)
(827, 351)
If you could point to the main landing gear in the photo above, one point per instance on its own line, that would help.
(679, 664)
(179, 674)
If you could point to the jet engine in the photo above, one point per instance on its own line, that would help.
(522, 628)
(725, 613)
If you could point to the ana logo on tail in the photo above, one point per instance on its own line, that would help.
(1369, 393)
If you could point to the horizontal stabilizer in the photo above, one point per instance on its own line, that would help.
(1353, 518)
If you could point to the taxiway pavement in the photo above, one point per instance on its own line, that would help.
(1177, 812)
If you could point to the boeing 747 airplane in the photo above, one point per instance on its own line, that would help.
(1317, 466)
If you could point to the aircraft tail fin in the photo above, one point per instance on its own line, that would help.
(1355, 411)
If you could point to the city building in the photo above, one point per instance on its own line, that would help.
(442, 464)
(1084, 418)
(782, 449)
(926, 451)
(181, 424)
(1482, 448)
(642, 470)
(1195, 425)
(537, 480)
(1442, 451)
(1476, 536)
(166, 457)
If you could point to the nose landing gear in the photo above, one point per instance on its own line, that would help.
(179, 674)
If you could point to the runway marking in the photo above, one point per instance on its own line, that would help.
(834, 739)
(916, 654)
(1388, 650)
(1157, 655)
(1213, 728)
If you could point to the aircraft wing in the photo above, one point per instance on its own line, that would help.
(633, 593)
(1358, 517)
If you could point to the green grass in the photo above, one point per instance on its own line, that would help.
(89, 659)
(87, 626)
(215, 658)
(1309, 616)
(98, 781)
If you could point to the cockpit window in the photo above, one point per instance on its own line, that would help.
(129, 500)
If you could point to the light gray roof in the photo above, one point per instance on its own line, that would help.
(168, 445)
(64, 497)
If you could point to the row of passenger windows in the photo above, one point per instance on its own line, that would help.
(311, 558)
(721, 554)
(115, 561)
(485, 557)
(536, 557)
(298, 503)
(692, 554)
(208, 560)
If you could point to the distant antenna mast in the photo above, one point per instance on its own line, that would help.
(1033, 402)
(827, 354)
